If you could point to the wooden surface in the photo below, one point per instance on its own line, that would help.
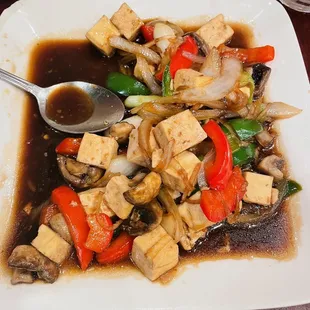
(301, 24)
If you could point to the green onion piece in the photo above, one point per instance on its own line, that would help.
(135, 101)
(167, 90)
(247, 80)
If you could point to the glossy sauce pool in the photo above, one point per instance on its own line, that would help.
(56, 61)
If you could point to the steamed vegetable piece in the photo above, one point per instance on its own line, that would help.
(70, 206)
(218, 204)
(125, 85)
(249, 55)
(101, 232)
(218, 173)
(69, 146)
(118, 250)
(246, 128)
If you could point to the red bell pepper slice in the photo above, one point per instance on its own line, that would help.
(70, 206)
(218, 172)
(118, 250)
(101, 232)
(178, 61)
(47, 213)
(218, 204)
(148, 32)
(250, 55)
(69, 146)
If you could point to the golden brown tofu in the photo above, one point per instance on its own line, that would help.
(193, 215)
(215, 32)
(154, 253)
(100, 33)
(189, 78)
(114, 197)
(134, 152)
(97, 151)
(171, 176)
(51, 245)
(274, 195)
(183, 128)
(127, 22)
(93, 201)
(258, 189)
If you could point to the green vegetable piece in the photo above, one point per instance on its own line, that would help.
(247, 80)
(244, 155)
(135, 101)
(125, 85)
(167, 90)
(232, 139)
(292, 188)
(246, 128)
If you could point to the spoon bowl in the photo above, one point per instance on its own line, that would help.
(108, 109)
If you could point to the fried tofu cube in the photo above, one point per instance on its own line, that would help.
(193, 215)
(127, 22)
(97, 151)
(155, 253)
(183, 128)
(134, 153)
(93, 201)
(189, 78)
(114, 197)
(51, 245)
(274, 195)
(215, 32)
(100, 33)
(258, 189)
(171, 176)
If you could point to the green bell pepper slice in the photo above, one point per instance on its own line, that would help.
(232, 139)
(167, 90)
(125, 85)
(246, 128)
(292, 187)
(244, 155)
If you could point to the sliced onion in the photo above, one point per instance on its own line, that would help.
(209, 157)
(219, 88)
(121, 165)
(144, 136)
(167, 156)
(169, 204)
(162, 34)
(193, 58)
(162, 110)
(192, 181)
(281, 110)
(206, 114)
(193, 201)
(212, 64)
(150, 116)
(177, 29)
(147, 75)
(134, 48)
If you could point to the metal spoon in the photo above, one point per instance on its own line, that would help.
(108, 108)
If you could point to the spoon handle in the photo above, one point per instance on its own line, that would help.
(19, 82)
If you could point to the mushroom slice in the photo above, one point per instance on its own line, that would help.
(22, 276)
(273, 166)
(260, 76)
(143, 219)
(59, 225)
(202, 45)
(121, 131)
(77, 174)
(145, 191)
(28, 258)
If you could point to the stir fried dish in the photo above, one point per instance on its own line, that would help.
(192, 168)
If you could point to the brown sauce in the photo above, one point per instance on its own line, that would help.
(69, 105)
(56, 61)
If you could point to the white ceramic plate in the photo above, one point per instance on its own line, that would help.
(230, 284)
